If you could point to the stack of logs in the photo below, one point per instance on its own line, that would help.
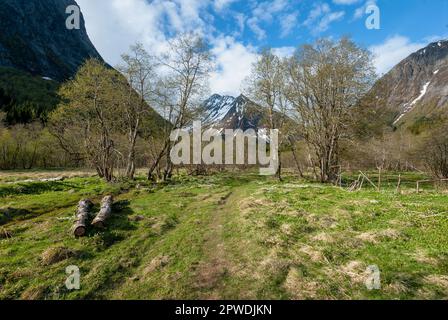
(83, 213)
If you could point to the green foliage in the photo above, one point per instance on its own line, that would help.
(29, 146)
(26, 98)
(423, 124)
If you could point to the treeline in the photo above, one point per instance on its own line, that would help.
(27, 146)
(325, 89)
(106, 118)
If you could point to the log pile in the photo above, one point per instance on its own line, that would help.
(105, 212)
(83, 214)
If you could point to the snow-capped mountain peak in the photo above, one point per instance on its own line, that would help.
(226, 112)
(216, 108)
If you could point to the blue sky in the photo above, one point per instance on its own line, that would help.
(415, 19)
(238, 29)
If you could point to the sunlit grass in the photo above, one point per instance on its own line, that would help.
(234, 236)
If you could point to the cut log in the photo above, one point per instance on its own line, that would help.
(105, 212)
(82, 214)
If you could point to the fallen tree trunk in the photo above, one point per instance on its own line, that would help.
(105, 212)
(82, 214)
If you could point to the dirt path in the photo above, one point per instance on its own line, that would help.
(211, 273)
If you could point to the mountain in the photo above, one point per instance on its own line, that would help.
(226, 112)
(414, 90)
(34, 38)
(37, 53)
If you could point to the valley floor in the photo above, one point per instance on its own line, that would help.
(227, 236)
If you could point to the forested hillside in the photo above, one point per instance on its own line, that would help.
(26, 98)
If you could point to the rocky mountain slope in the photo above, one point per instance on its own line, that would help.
(226, 112)
(34, 38)
(417, 87)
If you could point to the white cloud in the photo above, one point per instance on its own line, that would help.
(222, 4)
(234, 62)
(320, 18)
(316, 12)
(324, 24)
(241, 21)
(284, 52)
(264, 12)
(361, 11)
(253, 24)
(288, 23)
(345, 2)
(114, 25)
(392, 51)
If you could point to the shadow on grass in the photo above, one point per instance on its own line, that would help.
(9, 214)
(117, 224)
(36, 188)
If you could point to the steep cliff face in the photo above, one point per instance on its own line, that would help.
(34, 38)
(416, 87)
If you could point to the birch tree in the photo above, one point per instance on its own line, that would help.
(265, 86)
(139, 69)
(187, 64)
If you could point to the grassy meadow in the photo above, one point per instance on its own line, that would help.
(225, 236)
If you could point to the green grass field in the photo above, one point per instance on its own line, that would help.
(226, 236)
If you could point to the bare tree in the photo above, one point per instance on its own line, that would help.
(188, 65)
(266, 86)
(139, 69)
(434, 152)
(326, 80)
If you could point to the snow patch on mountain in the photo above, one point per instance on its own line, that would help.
(422, 93)
(217, 108)
(409, 106)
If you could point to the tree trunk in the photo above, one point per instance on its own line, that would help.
(105, 212)
(279, 169)
(82, 214)
(130, 169)
(296, 159)
(155, 164)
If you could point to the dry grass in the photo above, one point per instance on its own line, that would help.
(33, 293)
(421, 256)
(156, 264)
(323, 237)
(440, 281)
(314, 254)
(378, 236)
(300, 288)
(18, 176)
(56, 254)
